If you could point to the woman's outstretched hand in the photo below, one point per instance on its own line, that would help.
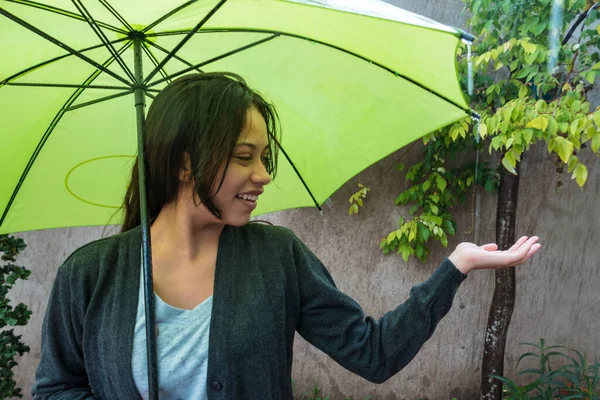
(469, 256)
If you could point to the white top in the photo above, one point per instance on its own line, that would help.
(182, 349)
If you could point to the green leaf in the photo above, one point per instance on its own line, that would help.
(424, 232)
(596, 66)
(596, 142)
(527, 136)
(530, 58)
(580, 174)
(449, 227)
(523, 91)
(563, 148)
(573, 161)
(574, 127)
(540, 123)
(597, 118)
(426, 185)
(590, 76)
(552, 127)
(434, 209)
(419, 251)
(400, 166)
(441, 183)
(391, 237)
(528, 47)
(506, 163)
(483, 130)
(405, 250)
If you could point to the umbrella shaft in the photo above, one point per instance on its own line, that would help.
(146, 249)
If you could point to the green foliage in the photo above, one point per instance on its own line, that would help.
(522, 101)
(356, 200)
(575, 379)
(434, 190)
(11, 344)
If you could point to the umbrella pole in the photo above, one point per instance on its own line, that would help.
(146, 249)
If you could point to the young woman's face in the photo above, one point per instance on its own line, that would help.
(246, 175)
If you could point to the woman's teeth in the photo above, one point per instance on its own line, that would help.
(250, 197)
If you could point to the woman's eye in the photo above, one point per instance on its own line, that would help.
(244, 158)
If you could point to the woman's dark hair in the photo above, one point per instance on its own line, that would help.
(202, 115)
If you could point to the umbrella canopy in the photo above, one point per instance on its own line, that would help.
(352, 82)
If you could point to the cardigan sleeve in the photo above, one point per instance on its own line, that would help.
(61, 372)
(373, 349)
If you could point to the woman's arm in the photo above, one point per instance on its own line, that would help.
(61, 373)
(377, 349)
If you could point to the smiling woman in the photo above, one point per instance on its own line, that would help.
(230, 295)
(203, 117)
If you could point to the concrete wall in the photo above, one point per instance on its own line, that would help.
(557, 292)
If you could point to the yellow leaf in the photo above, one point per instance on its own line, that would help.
(563, 148)
(483, 130)
(596, 142)
(552, 127)
(528, 47)
(540, 123)
(413, 232)
(597, 118)
(391, 237)
(580, 174)
(509, 167)
(573, 162)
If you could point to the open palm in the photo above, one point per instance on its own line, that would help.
(469, 256)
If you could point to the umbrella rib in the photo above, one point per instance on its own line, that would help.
(114, 12)
(175, 56)
(25, 71)
(89, 103)
(441, 96)
(65, 85)
(154, 60)
(90, 20)
(49, 131)
(167, 15)
(62, 45)
(64, 13)
(184, 41)
(287, 157)
(219, 57)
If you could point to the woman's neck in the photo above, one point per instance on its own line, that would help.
(185, 231)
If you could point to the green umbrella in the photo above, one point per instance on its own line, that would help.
(353, 81)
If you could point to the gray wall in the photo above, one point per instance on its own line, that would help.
(557, 292)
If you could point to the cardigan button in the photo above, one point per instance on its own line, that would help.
(217, 386)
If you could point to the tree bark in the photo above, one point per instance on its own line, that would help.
(504, 292)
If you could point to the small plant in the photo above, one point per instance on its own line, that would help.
(356, 200)
(10, 344)
(578, 379)
(317, 394)
(314, 394)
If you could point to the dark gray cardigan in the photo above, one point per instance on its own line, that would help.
(268, 285)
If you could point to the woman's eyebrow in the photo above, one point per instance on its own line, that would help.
(251, 145)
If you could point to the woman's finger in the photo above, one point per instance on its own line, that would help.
(518, 243)
(489, 247)
(522, 254)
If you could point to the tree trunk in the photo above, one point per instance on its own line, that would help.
(504, 293)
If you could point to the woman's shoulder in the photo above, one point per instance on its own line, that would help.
(102, 252)
(266, 231)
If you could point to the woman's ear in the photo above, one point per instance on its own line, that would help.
(185, 172)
